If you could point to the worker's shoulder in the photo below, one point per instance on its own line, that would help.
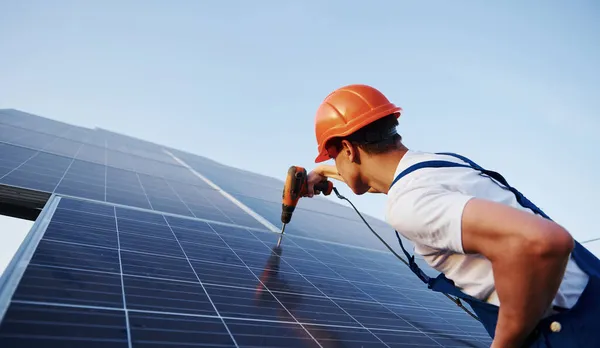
(441, 185)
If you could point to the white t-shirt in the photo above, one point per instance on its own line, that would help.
(426, 207)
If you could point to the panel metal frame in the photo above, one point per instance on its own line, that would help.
(13, 273)
(234, 200)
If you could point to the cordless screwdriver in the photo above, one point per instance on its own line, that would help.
(296, 186)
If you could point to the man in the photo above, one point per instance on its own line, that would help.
(526, 278)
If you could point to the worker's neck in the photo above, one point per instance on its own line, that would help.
(381, 169)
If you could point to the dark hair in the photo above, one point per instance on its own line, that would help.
(374, 138)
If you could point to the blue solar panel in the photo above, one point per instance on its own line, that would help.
(179, 273)
(47, 172)
(156, 164)
(152, 255)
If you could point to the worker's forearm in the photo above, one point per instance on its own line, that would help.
(526, 286)
(329, 171)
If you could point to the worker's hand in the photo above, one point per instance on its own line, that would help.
(314, 177)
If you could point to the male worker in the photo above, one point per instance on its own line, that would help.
(526, 278)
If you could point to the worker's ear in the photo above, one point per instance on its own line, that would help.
(350, 151)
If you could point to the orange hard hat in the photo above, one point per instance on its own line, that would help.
(348, 109)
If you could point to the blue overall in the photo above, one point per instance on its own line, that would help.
(580, 325)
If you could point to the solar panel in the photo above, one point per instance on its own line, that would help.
(141, 252)
(38, 133)
(47, 172)
(135, 270)
(35, 123)
(97, 154)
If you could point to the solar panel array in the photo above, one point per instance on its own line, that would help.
(110, 273)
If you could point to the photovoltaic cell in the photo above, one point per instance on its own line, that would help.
(70, 286)
(272, 334)
(30, 325)
(167, 296)
(67, 255)
(165, 330)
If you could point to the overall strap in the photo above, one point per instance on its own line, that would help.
(500, 180)
(496, 176)
(412, 264)
(427, 164)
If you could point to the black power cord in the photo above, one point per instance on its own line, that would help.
(453, 299)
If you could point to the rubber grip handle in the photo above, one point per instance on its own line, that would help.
(325, 187)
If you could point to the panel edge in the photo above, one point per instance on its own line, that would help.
(16, 268)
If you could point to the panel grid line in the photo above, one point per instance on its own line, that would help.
(77, 243)
(214, 206)
(340, 307)
(387, 308)
(374, 300)
(20, 165)
(261, 282)
(181, 200)
(105, 168)
(416, 304)
(201, 284)
(122, 281)
(329, 298)
(66, 170)
(342, 277)
(38, 151)
(143, 189)
(77, 269)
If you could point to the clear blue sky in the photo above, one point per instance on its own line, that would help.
(512, 84)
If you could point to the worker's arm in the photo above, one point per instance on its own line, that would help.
(322, 172)
(528, 253)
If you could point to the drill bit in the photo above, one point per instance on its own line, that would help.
(281, 236)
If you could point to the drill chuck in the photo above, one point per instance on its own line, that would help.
(286, 213)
